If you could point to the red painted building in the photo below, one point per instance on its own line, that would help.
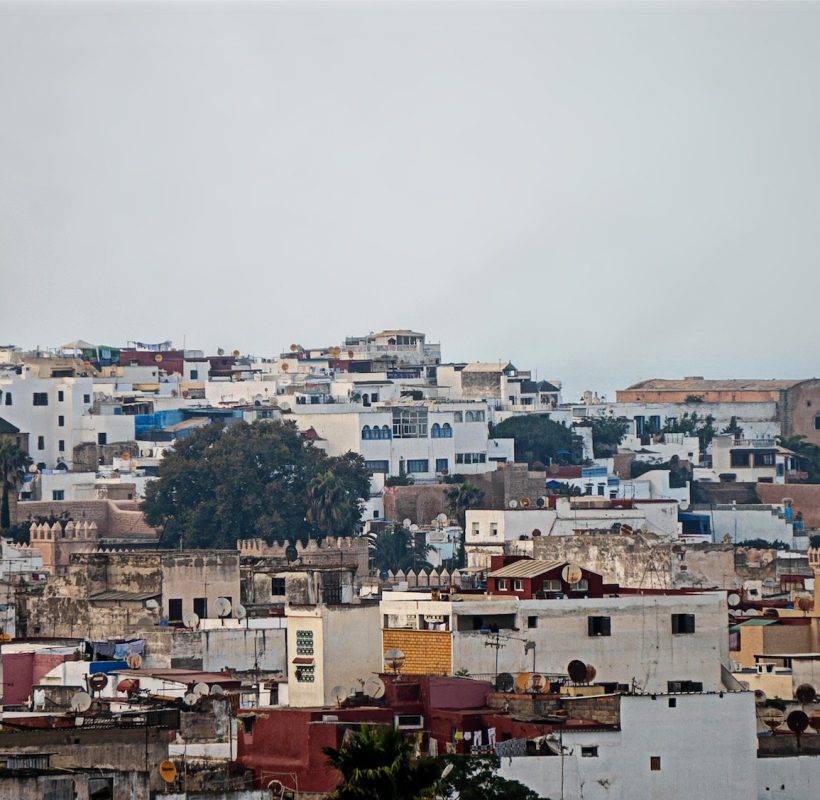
(531, 579)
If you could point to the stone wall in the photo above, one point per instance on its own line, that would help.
(348, 551)
(119, 519)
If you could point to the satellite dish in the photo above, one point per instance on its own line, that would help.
(202, 689)
(442, 518)
(414, 527)
(733, 600)
(98, 681)
(797, 722)
(240, 612)
(80, 701)
(522, 682)
(571, 574)
(236, 354)
(291, 553)
(374, 687)
(626, 529)
(591, 673)
(577, 671)
(190, 699)
(805, 694)
(217, 689)
(513, 503)
(504, 682)
(151, 604)
(814, 721)
(760, 697)
(339, 694)
(223, 606)
(190, 620)
(294, 347)
(350, 354)
(144, 622)
(158, 358)
(524, 502)
(406, 522)
(134, 661)
(805, 603)
(541, 502)
(772, 719)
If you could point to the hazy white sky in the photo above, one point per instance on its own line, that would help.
(601, 192)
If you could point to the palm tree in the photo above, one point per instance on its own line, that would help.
(377, 763)
(462, 497)
(327, 503)
(397, 549)
(13, 463)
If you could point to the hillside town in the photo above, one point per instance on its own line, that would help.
(252, 577)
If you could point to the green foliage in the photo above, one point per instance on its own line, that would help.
(693, 398)
(13, 465)
(476, 778)
(399, 480)
(694, 425)
(678, 473)
(607, 433)
(538, 438)
(460, 498)
(376, 763)
(397, 549)
(258, 480)
(733, 428)
(763, 544)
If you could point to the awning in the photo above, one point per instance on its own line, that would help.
(302, 660)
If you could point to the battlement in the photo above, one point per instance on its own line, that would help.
(83, 531)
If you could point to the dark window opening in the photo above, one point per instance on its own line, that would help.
(599, 626)
(277, 586)
(40, 398)
(175, 609)
(683, 623)
(201, 607)
(655, 763)
(532, 622)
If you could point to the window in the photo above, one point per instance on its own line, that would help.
(175, 609)
(385, 432)
(518, 586)
(502, 584)
(740, 459)
(684, 686)
(435, 431)
(410, 423)
(277, 587)
(446, 431)
(366, 432)
(86, 398)
(442, 464)
(378, 466)
(591, 751)
(41, 442)
(673, 702)
(581, 586)
(8, 398)
(474, 416)
(471, 458)
(304, 643)
(201, 607)
(552, 586)
(639, 425)
(599, 626)
(655, 763)
(61, 445)
(683, 623)
(194, 374)
(102, 438)
(61, 421)
(418, 465)
(40, 398)
(816, 419)
(764, 460)
(532, 622)
(60, 396)
(493, 529)
(305, 674)
(58, 494)
(475, 529)
(458, 416)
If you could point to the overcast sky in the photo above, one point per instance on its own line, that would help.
(599, 192)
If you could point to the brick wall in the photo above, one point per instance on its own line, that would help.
(426, 652)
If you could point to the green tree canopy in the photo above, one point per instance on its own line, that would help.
(808, 455)
(538, 438)
(377, 763)
(13, 464)
(254, 480)
(607, 433)
(476, 778)
(397, 549)
(460, 498)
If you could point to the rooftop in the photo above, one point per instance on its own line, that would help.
(696, 384)
(526, 568)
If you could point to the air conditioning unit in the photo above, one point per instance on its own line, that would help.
(408, 722)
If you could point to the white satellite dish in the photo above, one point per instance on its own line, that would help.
(513, 503)
(339, 694)
(217, 689)
(733, 600)
(406, 522)
(202, 689)
(414, 527)
(151, 604)
(190, 699)
(571, 574)
(223, 606)
(134, 661)
(442, 518)
(80, 701)
(240, 612)
(374, 687)
(190, 620)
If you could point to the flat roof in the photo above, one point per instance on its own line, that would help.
(702, 384)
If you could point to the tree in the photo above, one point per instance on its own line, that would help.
(397, 549)
(253, 480)
(376, 763)
(607, 433)
(462, 497)
(808, 455)
(538, 438)
(13, 464)
(693, 425)
(476, 778)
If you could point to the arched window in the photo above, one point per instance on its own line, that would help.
(385, 432)
(446, 431)
(435, 431)
(366, 433)
(469, 416)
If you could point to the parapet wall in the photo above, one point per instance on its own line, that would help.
(114, 519)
